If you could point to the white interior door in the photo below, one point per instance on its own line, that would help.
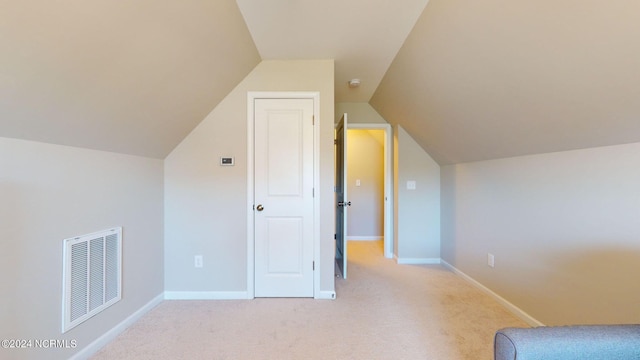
(341, 196)
(283, 193)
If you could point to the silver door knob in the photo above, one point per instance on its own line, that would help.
(260, 207)
(342, 203)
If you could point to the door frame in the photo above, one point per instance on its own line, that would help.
(251, 97)
(388, 180)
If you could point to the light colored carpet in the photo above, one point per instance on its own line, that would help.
(383, 311)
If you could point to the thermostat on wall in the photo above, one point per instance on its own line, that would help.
(228, 161)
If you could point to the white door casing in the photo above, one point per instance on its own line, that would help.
(283, 197)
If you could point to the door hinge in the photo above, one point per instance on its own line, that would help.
(313, 192)
(313, 265)
(313, 119)
(335, 236)
(335, 141)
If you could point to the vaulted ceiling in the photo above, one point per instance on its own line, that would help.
(363, 36)
(126, 76)
(486, 79)
(469, 80)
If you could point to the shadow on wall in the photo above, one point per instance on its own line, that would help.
(594, 286)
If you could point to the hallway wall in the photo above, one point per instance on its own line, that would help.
(365, 163)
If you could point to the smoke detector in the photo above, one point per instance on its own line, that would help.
(354, 83)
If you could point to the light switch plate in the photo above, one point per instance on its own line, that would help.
(411, 185)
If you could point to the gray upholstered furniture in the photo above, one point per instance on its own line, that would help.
(581, 342)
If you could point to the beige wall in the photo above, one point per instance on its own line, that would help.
(417, 214)
(365, 151)
(205, 204)
(49, 193)
(563, 228)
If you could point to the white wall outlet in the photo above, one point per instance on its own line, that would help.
(411, 185)
(198, 261)
(357, 182)
(491, 260)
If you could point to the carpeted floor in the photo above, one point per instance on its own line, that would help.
(383, 311)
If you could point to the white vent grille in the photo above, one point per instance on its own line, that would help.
(92, 275)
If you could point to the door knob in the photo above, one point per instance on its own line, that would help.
(342, 203)
(260, 207)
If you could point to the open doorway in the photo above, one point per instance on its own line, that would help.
(369, 184)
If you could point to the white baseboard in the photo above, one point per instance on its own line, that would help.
(326, 295)
(107, 337)
(206, 295)
(226, 295)
(365, 238)
(512, 308)
(418, 261)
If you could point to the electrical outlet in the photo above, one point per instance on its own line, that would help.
(198, 261)
(491, 260)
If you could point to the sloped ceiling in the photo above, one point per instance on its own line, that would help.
(469, 80)
(488, 79)
(362, 36)
(125, 76)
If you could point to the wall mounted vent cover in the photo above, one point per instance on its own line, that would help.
(92, 276)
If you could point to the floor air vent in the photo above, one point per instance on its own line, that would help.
(92, 275)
